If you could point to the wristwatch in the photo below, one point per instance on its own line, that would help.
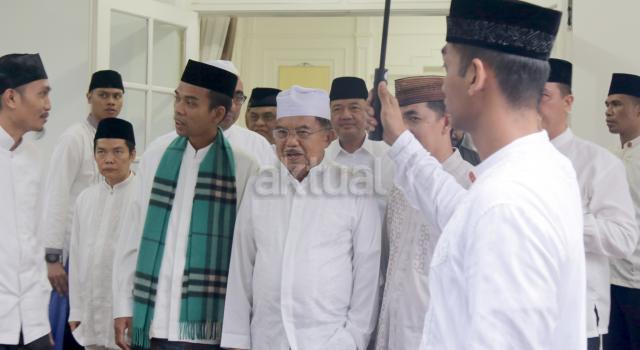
(52, 258)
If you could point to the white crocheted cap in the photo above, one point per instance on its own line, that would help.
(301, 101)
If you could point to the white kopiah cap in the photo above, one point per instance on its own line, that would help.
(301, 101)
(224, 64)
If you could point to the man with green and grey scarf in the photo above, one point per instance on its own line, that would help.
(172, 261)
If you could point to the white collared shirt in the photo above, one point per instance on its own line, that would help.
(166, 318)
(72, 169)
(24, 288)
(372, 155)
(251, 143)
(412, 240)
(626, 272)
(304, 267)
(508, 271)
(610, 228)
(98, 217)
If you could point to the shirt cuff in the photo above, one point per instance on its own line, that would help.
(235, 341)
(123, 306)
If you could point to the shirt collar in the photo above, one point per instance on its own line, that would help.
(6, 141)
(93, 123)
(336, 148)
(631, 144)
(563, 138)
(515, 146)
(119, 185)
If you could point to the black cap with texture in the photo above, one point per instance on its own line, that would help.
(106, 79)
(20, 69)
(210, 77)
(625, 84)
(115, 128)
(263, 97)
(509, 26)
(343, 88)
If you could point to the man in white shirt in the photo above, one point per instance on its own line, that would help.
(24, 291)
(172, 258)
(71, 170)
(353, 148)
(623, 118)
(411, 238)
(306, 254)
(261, 112)
(508, 271)
(98, 215)
(610, 228)
(242, 138)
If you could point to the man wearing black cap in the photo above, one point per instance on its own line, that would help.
(99, 212)
(610, 229)
(71, 170)
(353, 148)
(24, 294)
(623, 118)
(171, 265)
(261, 112)
(505, 269)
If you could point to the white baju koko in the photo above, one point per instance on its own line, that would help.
(166, 318)
(305, 265)
(72, 169)
(610, 228)
(100, 212)
(508, 271)
(24, 289)
(411, 241)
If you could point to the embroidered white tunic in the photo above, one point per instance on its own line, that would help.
(610, 229)
(508, 271)
(99, 215)
(72, 169)
(626, 272)
(24, 289)
(166, 318)
(412, 240)
(304, 267)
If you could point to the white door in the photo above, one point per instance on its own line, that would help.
(149, 43)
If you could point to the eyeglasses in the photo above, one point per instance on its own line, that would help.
(239, 98)
(302, 134)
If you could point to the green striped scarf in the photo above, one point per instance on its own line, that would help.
(204, 280)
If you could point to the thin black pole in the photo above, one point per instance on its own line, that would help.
(380, 73)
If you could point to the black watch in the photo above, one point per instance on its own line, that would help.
(52, 258)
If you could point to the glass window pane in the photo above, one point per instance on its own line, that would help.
(129, 46)
(133, 110)
(161, 114)
(167, 54)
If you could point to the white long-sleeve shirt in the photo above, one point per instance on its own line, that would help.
(626, 272)
(508, 271)
(251, 143)
(372, 155)
(304, 267)
(24, 289)
(72, 168)
(412, 240)
(99, 215)
(166, 318)
(610, 228)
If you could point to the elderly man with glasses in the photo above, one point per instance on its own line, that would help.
(306, 252)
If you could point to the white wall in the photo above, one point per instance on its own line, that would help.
(60, 32)
(348, 45)
(604, 40)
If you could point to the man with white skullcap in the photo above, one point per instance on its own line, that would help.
(306, 251)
